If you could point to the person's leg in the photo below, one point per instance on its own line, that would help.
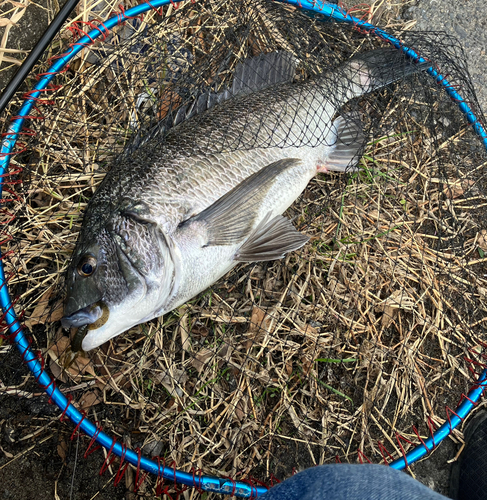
(469, 473)
(351, 482)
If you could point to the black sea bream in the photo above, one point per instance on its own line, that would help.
(174, 215)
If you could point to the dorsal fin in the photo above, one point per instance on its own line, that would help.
(257, 73)
(251, 75)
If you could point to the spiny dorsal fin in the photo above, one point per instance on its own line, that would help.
(251, 75)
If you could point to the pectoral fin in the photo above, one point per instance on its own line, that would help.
(231, 218)
(271, 240)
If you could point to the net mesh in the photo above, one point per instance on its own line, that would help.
(375, 326)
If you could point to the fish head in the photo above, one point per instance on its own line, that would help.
(119, 276)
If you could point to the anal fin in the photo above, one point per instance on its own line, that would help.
(271, 240)
(349, 145)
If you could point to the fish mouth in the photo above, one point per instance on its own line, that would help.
(86, 316)
(89, 318)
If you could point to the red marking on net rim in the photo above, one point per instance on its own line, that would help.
(199, 472)
(465, 397)
(138, 483)
(97, 27)
(123, 16)
(49, 62)
(361, 455)
(12, 172)
(39, 357)
(109, 459)
(398, 439)
(253, 490)
(8, 220)
(80, 32)
(26, 350)
(14, 301)
(273, 480)
(52, 385)
(256, 481)
(93, 439)
(363, 8)
(160, 478)
(384, 452)
(178, 490)
(75, 431)
(450, 412)
(428, 451)
(16, 197)
(481, 386)
(121, 470)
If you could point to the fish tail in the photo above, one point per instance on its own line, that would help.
(377, 68)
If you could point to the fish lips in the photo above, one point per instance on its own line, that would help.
(86, 316)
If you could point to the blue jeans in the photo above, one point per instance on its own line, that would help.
(351, 482)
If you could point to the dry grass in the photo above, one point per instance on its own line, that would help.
(360, 335)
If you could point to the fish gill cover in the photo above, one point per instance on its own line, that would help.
(365, 333)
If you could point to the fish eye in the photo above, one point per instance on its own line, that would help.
(86, 266)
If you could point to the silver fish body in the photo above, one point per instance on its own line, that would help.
(176, 214)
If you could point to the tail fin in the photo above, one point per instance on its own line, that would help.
(375, 69)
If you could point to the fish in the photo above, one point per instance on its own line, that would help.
(206, 188)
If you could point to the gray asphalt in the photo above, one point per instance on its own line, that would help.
(467, 20)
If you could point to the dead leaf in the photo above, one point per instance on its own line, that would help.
(306, 366)
(183, 330)
(201, 358)
(457, 188)
(62, 356)
(6, 22)
(89, 399)
(57, 372)
(260, 322)
(62, 449)
(309, 331)
(169, 100)
(19, 5)
(289, 367)
(241, 408)
(482, 240)
(12, 60)
(388, 316)
(81, 366)
(7, 454)
(257, 318)
(200, 329)
(173, 381)
(38, 316)
(59, 348)
(18, 15)
(398, 299)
